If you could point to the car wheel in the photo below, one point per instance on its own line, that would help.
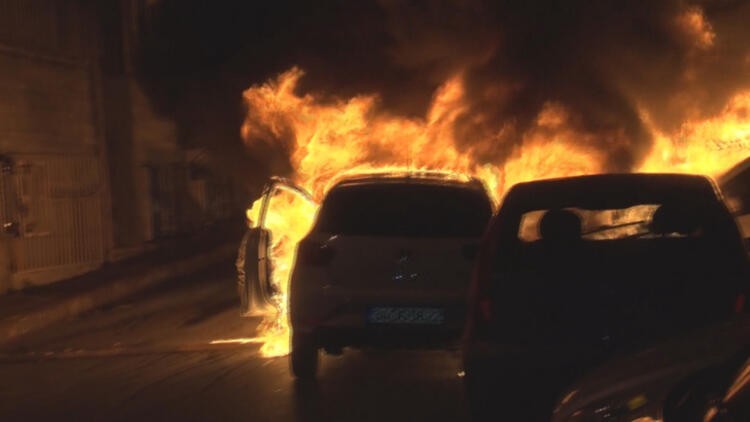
(304, 357)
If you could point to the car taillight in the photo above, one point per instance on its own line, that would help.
(312, 253)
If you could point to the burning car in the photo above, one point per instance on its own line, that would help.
(576, 270)
(387, 263)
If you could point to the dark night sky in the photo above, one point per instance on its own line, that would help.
(597, 58)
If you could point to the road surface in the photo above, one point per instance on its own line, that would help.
(150, 358)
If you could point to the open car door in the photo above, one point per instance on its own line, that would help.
(255, 283)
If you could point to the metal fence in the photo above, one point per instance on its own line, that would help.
(52, 216)
(185, 198)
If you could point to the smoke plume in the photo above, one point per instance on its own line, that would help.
(615, 67)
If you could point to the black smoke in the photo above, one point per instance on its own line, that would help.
(605, 61)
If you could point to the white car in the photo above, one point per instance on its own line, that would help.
(387, 263)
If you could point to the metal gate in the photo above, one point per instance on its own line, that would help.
(52, 216)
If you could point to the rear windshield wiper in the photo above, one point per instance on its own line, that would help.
(614, 226)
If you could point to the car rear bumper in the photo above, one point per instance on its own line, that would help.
(386, 337)
(347, 325)
(337, 316)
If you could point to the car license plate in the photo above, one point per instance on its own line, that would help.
(406, 315)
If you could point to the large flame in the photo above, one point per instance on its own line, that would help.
(327, 139)
(708, 146)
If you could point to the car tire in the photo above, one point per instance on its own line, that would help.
(304, 357)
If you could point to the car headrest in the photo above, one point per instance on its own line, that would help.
(673, 219)
(560, 225)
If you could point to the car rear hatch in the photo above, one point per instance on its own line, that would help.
(400, 245)
(407, 266)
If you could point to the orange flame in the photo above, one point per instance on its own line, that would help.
(328, 139)
(710, 146)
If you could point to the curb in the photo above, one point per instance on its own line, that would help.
(16, 326)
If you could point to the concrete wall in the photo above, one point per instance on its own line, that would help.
(67, 93)
(49, 128)
(45, 106)
(68, 96)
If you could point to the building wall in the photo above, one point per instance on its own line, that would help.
(53, 187)
(155, 147)
(177, 189)
(89, 171)
(59, 28)
(46, 89)
(45, 106)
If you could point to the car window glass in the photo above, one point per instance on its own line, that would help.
(645, 220)
(414, 210)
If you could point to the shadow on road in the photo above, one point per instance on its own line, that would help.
(383, 386)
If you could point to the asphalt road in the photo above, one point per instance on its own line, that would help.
(150, 358)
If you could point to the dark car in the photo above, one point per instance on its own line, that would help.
(574, 271)
(697, 377)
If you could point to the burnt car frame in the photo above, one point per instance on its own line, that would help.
(386, 264)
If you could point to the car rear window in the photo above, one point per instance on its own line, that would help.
(628, 259)
(619, 223)
(405, 210)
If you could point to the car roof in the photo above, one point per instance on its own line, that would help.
(612, 190)
(411, 177)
